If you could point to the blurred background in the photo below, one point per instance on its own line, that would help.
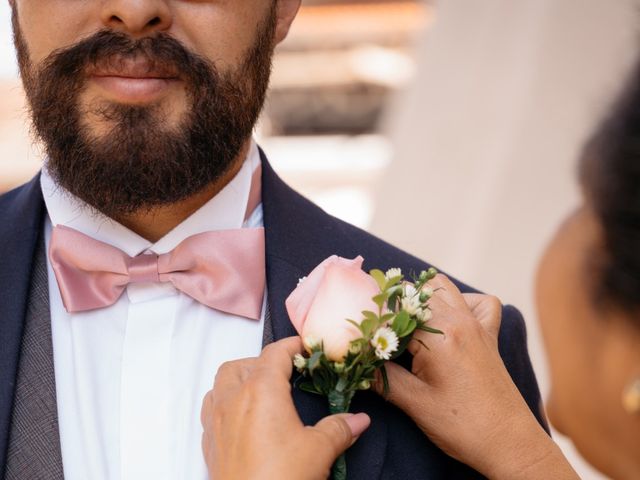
(449, 128)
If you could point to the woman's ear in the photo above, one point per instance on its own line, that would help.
(286, 12)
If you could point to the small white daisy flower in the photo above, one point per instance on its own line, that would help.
(424, 314)
(411, 305)
(385, 341)
(392, 273)
(410, 301)
(299, 361)
(410, 291)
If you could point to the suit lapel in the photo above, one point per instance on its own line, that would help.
(21, 215)
(299, 236)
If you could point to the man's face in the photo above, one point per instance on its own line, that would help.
(142, 103)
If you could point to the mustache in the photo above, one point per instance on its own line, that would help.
(107, 51)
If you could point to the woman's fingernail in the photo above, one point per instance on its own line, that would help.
(358, 423)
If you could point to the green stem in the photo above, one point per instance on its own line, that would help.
(339, 403)
(353, 362)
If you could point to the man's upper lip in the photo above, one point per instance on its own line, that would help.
(131, 68)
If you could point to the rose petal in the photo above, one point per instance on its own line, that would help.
(299, 301)
(344, 292)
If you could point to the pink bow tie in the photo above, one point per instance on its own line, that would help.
(224, 270)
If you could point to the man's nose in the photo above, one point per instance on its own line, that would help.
(137, 18)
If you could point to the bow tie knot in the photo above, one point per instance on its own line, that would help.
(143, 268)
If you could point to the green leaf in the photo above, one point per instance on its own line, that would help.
(395, 290)
(309, 387)
(409, 328)
(354, 323)
(386, 317)
(370, 315)
(400, 323)
(428, 329)
(378, 276)
(368, 326)
(380, 299)
(392, 302)
(393, 281)
(422, 343)
(314, 361)
(321, 384)
(385, 381)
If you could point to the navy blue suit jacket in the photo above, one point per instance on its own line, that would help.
(299, 235)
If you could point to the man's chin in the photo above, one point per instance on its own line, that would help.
(157, 106)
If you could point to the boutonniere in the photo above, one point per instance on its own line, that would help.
(351, 323)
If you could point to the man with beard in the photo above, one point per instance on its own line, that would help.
(158, 243)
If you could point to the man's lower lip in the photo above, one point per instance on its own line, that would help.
(133, 90)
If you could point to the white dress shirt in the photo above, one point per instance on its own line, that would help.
(130, 378)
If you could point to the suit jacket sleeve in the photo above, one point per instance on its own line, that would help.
(512, 343)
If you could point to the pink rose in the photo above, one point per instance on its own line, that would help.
(335, 290)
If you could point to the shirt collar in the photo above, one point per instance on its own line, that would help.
(223, 212)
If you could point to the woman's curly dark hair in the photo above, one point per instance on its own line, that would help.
(610, 176)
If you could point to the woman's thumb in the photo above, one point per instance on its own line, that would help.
(343, 429)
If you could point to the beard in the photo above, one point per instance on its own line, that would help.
(140, 161)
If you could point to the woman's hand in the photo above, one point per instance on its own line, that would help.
(461, 395)
(252, 429)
